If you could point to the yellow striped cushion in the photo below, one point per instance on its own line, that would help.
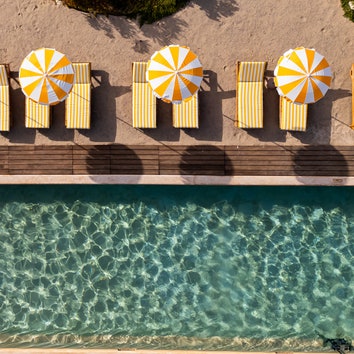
(251, 71)
(4, 81)
(250, 105)
(144, 101)
(4, 100)
(82, 73)
(185, 115)
(292, 116)
(37, 115)
(139, 72)
(78, 103)
(250, 94)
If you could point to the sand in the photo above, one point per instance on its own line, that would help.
(219, 31)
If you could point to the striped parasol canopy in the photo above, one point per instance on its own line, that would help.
(302, 75)
(174, 73)
(46, 76)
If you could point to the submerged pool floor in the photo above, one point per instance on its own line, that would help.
(232, 268)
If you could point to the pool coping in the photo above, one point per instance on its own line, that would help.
(180, 180)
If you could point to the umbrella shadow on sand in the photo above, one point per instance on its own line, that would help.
(211, 96)
(18, 132)
(270, 130)
(211, 117)
(165, 131)
(319, 117)
(103, 113)
(103, 107)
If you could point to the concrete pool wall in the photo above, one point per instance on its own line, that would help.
(180, 180)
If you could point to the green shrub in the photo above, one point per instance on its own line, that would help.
(145, 10)
(347, 10)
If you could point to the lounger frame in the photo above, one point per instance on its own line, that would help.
(78, 103)
(253, 115)
(5, 112)
(186, 114)
(37, 116)
(292, 116)
(143, 99)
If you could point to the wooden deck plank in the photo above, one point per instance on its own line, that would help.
(4, 160)
(134, 158)
(192, 153)
(128, 171)
(134, 153)
(204, 172)
(175, 159)
(85, 171)
(38, 147)
(285, 158)
(39, 172)
(39, 166)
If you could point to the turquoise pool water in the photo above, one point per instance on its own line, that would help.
(244, 268)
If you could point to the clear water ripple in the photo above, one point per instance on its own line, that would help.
(176, 267)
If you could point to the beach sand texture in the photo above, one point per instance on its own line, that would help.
(220, 32)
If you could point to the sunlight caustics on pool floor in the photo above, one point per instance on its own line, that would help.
(236, 268)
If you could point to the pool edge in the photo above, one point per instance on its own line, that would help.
(180, 180)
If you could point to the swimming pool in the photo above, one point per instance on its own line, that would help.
(184, 267)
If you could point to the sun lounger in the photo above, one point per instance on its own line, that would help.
(292, 116)
(78, 103)
(37, 115)
(4, 98)
(186, 114)
(144, 101)
(249, 95)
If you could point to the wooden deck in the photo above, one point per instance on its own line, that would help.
(208, 160)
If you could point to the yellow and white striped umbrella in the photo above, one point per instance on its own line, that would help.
(174, 73)
(302, 75)
(46, 76)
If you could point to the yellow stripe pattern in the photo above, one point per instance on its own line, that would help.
(78, 103)
(292, 116)
(144, 101)
(249, 95)
(37, 115)
(4, 99)
(46, 76)
(186, 114)
(174, 73)
(302, 75)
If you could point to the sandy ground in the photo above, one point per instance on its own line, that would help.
(219, 31)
